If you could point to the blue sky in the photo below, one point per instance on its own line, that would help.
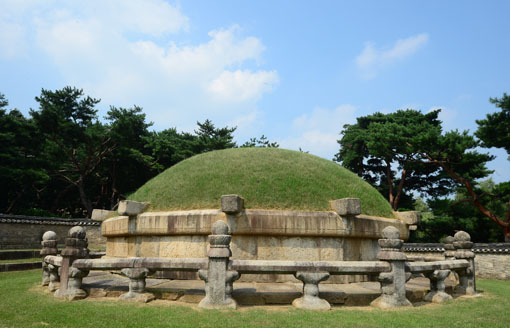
(295, 71)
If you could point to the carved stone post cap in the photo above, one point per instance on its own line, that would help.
(462, 236)
(390, 232)
(232, 204)
(76, 232)
(346, 206)
(49, 235)
(130, 207)
(220, 228)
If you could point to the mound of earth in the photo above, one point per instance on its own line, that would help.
(267, 178)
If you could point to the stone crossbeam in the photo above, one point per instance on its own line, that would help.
(291, 267)
(421, 267)
(153, 263)
(54, 260)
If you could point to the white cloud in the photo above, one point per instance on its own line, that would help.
(372, 60)
(126, 52)
(319, 131)
(242, 85)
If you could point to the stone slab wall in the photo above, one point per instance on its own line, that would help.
(492, 261)
(20, 232)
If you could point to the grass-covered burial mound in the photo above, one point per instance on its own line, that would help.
(267, 178)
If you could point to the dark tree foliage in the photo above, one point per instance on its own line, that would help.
(260, 142)
(73, 138)
(444, 217)
(63, 161)
(494, 130)
(129, 164)
(383, 150)
(22, 168)
(212, 138)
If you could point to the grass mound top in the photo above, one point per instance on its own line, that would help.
(267, 178)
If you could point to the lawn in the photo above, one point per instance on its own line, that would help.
(24, 304)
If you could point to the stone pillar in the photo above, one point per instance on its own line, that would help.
(311, 299)
(449, 249)
(54, 282)
(218, 279)
(49, 247)
(70, 277)
(393, 283)
(437, 292)
(137, 291)
(467, 282)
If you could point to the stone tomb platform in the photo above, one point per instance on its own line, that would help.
(102, 284)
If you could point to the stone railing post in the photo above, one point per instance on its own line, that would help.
(70, 277)
(311, 299)
(393, 283)
(49, 247)
(467, 281)
(437, 292)
(449, 249)
(137, 285)
(218, 279)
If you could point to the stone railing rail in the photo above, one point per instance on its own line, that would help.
(219, 271)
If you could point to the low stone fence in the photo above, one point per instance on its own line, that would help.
(63, 274)
(492, 260)
(25, 232)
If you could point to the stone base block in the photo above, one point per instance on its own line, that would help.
(137, 297)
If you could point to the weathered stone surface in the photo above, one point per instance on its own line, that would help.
(392, 283)
(49, 244)
(130, 207)
(467, 279)
(256, 234)
(346, 206)
(71, 277)
(25, 232)
(409, 217)
(311, 299)
(218, 278)
(101, 215)
(137, 285)
(232, 204)
(253, 222)
(437, 292)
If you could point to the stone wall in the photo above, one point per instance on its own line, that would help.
(492, 261)
(256, 235)
(19, 232)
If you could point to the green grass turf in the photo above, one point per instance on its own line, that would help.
(23, 303)
(265, 177)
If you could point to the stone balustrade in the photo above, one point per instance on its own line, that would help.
(219, 271)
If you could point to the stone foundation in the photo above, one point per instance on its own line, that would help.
(256, 235)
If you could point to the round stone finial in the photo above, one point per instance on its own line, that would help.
(49, 235)
(219, 228)
(449, 240)
(462, 236)
(77, 232)
(390, 232)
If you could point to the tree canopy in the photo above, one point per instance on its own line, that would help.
(383, 150)
(64, 160)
